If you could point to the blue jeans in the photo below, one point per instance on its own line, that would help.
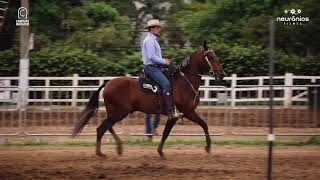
(151, 126)
(155, 74)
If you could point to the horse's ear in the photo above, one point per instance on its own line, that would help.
(205, 46)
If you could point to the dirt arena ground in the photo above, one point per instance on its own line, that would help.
(142, 162)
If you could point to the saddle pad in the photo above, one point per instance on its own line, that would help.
(147, 85)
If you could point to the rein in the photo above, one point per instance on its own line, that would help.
(180, 67)
(185, 63)
(196, 92)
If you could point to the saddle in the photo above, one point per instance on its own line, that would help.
(148, 85)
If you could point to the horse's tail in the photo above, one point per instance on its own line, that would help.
(88, 112)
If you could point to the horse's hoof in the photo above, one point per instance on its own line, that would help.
(208, 149)
(161, 154)
(101, 154)
(119, 150)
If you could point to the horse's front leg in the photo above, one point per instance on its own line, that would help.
(193, 116)
(170, 123)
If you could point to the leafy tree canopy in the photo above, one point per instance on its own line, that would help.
(102, 37)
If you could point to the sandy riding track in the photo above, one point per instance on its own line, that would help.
(142, 162)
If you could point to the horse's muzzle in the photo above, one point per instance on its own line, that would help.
(220, 78)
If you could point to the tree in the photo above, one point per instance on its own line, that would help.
(65, 61)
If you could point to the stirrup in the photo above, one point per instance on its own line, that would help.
(177, 113)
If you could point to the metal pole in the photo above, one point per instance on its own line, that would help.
(24, 67)
(24, 60)
(271, 136)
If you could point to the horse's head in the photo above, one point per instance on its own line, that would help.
(210, 63)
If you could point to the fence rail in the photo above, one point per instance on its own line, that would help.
(239, 107)
(239, 89)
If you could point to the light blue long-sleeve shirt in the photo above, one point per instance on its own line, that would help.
(151, 51)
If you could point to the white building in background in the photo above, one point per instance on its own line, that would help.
(165, 5)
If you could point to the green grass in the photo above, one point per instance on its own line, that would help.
(315, 140)
(25, 143)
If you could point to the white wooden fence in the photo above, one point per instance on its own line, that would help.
(236, 91)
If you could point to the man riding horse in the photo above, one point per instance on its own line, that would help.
(123, 95)
(152, 58)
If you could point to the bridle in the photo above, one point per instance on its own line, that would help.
(211, 71)
(187, 62)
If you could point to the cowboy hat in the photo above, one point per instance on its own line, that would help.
(153, 22)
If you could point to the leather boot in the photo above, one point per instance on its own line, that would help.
(172, 113)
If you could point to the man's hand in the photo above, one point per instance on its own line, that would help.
(168, 62)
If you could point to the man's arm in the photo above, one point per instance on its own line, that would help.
(151, 53)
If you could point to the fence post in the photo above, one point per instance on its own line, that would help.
(260, 90)
(233, 90)
(46, 92)
(74, 89)
(206, 90)
(288, 81)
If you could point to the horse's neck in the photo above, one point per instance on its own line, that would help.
(191, 72)
(192, 78)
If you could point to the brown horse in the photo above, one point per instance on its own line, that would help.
(123, 96)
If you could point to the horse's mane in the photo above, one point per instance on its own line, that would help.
(183, 64)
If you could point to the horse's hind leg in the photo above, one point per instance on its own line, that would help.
(170, 123)
(118, 140)
(106, 124)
